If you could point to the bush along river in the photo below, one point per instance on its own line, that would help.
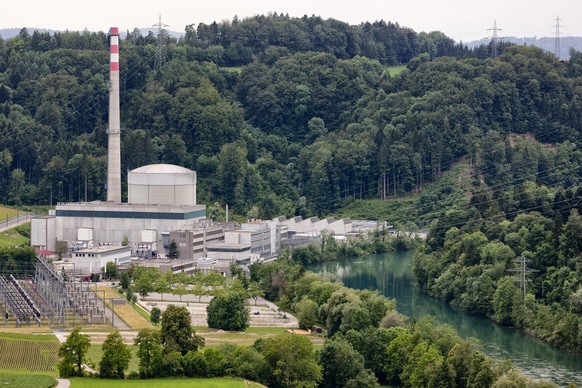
(391, 274)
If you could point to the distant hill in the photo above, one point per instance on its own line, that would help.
(545, 43)
(7, 33)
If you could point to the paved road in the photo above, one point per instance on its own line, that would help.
(14, 222)
(63, 383)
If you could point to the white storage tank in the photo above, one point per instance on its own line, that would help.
(162, 184)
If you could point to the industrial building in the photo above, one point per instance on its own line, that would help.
(43, 233)
(162, 207)
(193, 243)
(94, 260)
(161, 197)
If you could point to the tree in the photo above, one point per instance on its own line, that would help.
(173, 252)
(227, 311)
(307, 313)
(397, 353)
(73, 353)
(62, 248)
(198, 287)
(177, 330)
(255, 291)
(125, 240)
(291, 361)
(195, 364)
(503, 299)
(424, 367)
(111, 269)
(149, 352)
(249, 364)
(124, 280)
(116, 357)
(162, 284)
(144, 279)
(17, 183)
(181, 281)
(155, 315)
(341, 364)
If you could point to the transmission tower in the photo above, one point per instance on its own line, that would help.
(494, 39)
(558, 32)
(161, 38)
(522, 271)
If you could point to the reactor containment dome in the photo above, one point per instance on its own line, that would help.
(162, 184)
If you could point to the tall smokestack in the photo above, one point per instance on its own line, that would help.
(114, 146)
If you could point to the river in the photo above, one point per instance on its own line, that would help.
(391, 274)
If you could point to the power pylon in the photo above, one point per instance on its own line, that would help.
(159, 61)
(522, 271)
(494, 39)
(558, 32)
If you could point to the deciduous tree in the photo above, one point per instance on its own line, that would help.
(73, 354)
(177, 330)
(227, 311)
(116, 357)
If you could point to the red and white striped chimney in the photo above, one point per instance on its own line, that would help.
(114, 137)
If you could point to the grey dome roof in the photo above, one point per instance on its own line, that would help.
(162, 169)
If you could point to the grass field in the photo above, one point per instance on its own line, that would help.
(95, 353)
(21, 380)
(7, 213)
(235, 69)
(11, 238)
(28, 352)
(214, 338)
(395, 70)
(163, 383)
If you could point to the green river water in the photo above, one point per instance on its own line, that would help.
(391, 274)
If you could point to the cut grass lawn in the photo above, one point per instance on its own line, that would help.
(20, 380)
(95, 353)
(164, 383)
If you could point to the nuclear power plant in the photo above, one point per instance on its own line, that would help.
(161, 208)
(161, 197)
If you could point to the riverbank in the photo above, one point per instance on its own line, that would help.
(391, 274)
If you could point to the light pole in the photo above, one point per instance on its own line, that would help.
(112, 312)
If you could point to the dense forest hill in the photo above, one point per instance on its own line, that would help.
(309, 119)
(301, 116)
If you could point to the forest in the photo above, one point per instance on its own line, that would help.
(305, 116)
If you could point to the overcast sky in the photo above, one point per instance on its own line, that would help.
(460, 20)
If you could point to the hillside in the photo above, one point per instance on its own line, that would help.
(544, 42)
(315, 121)
(417, 210)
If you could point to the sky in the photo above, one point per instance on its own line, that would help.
(461, 20)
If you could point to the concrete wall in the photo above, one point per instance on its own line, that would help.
(112, 229)
(43, 233)
(315, 226)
